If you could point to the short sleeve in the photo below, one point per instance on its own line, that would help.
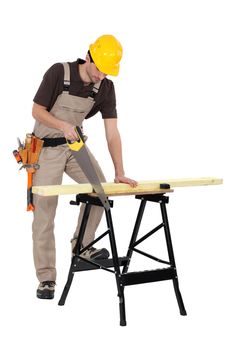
(108, 108)
(50, 86)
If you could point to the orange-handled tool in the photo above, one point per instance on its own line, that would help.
(17, 156)
(30, 206)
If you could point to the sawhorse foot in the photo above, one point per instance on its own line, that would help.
(179, 297)
(122, 311)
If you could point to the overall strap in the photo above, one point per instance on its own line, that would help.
(94, 91)
(66, 84)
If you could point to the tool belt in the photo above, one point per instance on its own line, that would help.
(57, 141)
(53, 142)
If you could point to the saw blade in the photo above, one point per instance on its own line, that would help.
(80, 153)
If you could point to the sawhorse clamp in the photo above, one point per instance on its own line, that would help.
(120, 265)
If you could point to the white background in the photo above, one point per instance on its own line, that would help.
(174, 99)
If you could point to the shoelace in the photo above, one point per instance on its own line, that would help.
(89, 251)
(48, 283)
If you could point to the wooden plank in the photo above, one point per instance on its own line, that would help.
(113, 189)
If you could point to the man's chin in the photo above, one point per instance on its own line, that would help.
(95, 80)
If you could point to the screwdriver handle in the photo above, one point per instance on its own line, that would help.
(17, 156)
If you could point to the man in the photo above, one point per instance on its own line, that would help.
(68, 94)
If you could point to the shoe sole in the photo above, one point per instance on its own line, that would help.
(45, 295)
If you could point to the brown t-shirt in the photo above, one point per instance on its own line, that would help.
(52, 86)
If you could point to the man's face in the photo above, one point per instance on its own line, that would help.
(93, 72)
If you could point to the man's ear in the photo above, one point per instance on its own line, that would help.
(88, 58)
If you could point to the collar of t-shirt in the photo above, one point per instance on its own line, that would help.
(75, 71)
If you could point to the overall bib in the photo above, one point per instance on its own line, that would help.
(54, 161)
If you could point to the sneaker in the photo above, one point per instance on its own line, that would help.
(93, 253)
(46, 290)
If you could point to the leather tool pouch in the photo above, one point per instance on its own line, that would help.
(30, 153)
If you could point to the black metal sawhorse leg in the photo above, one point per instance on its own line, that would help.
(130, 278)
(74, 259)
(78, 263)
(171, 256)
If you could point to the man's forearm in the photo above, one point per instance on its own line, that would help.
(115, 149)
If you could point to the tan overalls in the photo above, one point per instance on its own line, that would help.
(54, 161)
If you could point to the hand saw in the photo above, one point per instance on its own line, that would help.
(79, 151)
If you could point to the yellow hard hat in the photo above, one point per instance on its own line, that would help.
(106, 53)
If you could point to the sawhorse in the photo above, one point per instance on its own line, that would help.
(121, 265)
